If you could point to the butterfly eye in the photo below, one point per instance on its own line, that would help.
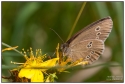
(98, 28)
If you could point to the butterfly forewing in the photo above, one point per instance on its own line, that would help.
(97, 30)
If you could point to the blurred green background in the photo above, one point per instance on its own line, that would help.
(27, 24)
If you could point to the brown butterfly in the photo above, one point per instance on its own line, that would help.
(88, 43)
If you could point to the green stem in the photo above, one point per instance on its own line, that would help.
(77, 18)
(10, 47)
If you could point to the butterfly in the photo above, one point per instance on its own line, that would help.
(88, 43)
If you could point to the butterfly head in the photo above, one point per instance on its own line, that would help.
(65, 49)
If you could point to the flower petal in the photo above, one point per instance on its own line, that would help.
(49, 63)
(28, 73)
(38, 76)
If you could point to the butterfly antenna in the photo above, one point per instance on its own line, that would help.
(58, 35)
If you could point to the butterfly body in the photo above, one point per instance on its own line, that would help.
(88, 43)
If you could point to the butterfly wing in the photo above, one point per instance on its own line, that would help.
(89, 50)
(95, 33)
(97, 30)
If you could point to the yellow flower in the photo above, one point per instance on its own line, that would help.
(36, 74)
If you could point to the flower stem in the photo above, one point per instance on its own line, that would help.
(77, 18)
